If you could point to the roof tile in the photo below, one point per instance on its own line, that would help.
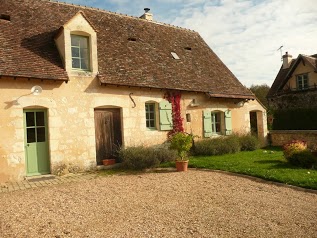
(27, 49)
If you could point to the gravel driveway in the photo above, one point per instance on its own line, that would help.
(191, 204)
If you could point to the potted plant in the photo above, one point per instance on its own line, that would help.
(181, 142)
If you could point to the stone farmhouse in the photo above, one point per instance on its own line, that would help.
(77, 82)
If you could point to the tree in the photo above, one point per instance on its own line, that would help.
(260, 92)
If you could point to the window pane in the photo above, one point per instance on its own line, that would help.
(76, 63)
(83, 42)
(75, 52)
(40, 119)
(150, 115)
(84, 53)
(30, 119)
(217, 117)
(41, 134)
(84, 64)
(30, 134)
(75, 40)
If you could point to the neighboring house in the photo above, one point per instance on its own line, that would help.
(295, 85)
(105, 78)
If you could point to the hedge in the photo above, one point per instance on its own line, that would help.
(295, 119)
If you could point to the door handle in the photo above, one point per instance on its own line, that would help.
(27, 144)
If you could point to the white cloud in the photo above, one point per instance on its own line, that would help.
(246, 36)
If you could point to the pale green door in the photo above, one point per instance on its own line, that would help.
(36, 143)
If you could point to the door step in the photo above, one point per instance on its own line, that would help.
(40, 178)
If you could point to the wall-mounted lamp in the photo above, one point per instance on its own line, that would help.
(36, 90)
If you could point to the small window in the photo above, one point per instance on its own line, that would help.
(216, 123)
(80, 52)
(302, 81)
(150, 115)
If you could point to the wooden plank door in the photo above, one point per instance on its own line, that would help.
(108, 133)
(36, 142)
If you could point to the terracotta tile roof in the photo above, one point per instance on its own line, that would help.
(284, 74)
(27, 49)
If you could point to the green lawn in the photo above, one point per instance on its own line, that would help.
(268, 164)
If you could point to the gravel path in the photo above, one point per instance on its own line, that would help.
(191, 204)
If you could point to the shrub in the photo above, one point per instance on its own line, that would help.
(294, 146)
(248, 143)
(138, 158)
(204, 147)
(303, 158)
(230, 145)
(217, 146)
(166, 155)
(181, 142)
(296, 153)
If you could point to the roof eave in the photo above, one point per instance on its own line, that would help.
(15, 76)
(233, 96)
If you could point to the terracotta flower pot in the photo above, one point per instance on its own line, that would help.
(108, 161)
(181, 165)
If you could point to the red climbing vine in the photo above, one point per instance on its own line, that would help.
(175, 98)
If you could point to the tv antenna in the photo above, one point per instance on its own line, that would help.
(280, 49)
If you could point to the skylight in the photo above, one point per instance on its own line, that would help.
(175, 56)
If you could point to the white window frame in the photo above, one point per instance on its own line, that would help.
(216, 120)
(80, 48)
(150, 121)
(302, 81)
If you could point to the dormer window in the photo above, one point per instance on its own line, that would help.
(76, 41)
(302, 81)
(80, 52)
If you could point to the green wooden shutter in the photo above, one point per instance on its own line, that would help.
(166, 119)
(207, 123)
(228, 123)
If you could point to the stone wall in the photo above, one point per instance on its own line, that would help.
(70, 115)
(279, 138)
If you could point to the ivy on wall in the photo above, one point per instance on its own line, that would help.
(175, 98)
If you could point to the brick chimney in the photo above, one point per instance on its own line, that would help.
(147, 15)
(286, 60)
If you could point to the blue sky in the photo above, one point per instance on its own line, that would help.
(245, 34)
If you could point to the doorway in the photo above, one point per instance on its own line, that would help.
(36, 142)
(253, 124)
(108, 133)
